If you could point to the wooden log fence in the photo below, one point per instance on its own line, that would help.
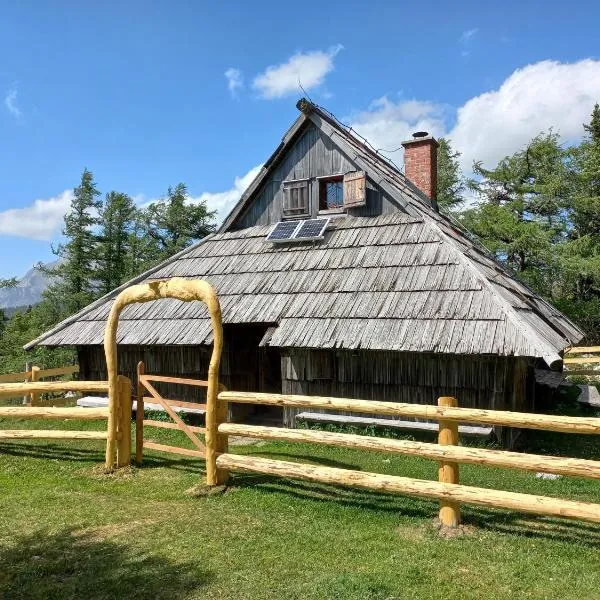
(447, 452)
(590, 361)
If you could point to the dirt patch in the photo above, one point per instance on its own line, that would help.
(450, 533)
(412, 532)
(201, 490)
(101, 472)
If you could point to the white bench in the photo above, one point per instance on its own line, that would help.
(467, 430)
(101, 402)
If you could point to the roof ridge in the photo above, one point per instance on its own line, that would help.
(96, 303)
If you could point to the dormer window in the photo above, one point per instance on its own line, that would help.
(331, 193)
(296, 202)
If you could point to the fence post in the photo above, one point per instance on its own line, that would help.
(124, 421)
(448, 471)
(35, 376)
(27, 397)
(139, 416)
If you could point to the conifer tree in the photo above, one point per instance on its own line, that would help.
(174, 223)
(451, 183)
(117, 217)
(76, 282)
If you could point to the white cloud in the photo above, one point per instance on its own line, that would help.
(533, 99)
(39, 221)
(307, 69)
(10, 101)
(386, 123)
(223, 202)
(490, 126)
(235, 80)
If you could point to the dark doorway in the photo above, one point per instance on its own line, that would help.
(248, 367)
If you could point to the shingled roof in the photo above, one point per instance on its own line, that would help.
(393, 282)
(410, 281)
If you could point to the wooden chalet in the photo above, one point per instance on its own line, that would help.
(390, 300)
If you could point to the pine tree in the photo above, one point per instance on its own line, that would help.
(76, 284)
(451, 183)
(117, 218)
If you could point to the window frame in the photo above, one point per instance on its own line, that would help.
(322, 182)
(288, 213)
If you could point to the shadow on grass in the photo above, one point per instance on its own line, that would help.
(494, 521)
(76, 564)
(52, 451)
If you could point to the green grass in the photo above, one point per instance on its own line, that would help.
(68, 531)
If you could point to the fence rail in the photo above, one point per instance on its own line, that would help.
(447, 452)
(589, 361)
(564, 424)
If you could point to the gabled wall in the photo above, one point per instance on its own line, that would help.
(312, 155)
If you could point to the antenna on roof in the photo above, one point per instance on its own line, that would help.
(305, 92)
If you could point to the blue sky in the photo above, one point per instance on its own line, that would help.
(147, 94)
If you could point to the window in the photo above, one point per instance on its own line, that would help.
(295, 199)
(331, 193)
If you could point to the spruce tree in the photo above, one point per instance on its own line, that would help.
(451, 183)
(117, 217)
(76, 281)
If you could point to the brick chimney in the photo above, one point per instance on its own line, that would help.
(420, 163)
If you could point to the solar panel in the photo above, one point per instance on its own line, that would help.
(311, 229)
(283, 231)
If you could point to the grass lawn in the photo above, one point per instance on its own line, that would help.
(68, 531)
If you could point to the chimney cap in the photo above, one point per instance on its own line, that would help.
(418, 137)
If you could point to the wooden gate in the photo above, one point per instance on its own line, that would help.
(144, 384)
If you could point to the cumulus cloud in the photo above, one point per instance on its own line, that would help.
(306, 68)
(39, 221)
(387, 123)
(10, 101)
(224, 201)
(235, 80)
(490, 126)
(539, 96)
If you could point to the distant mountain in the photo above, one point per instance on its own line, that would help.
(28, 290)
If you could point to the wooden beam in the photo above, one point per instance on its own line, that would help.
(168, 425)
(586, 372)
(15, 377)
(53, 386)
(59, 371)
(588, 425)
(462, 454)
(50, 434)
(178, 403)
(540, 505)
(173, 449)
(583, 350)
(178, 380)
(581, 361)
(139, 416)
(124, 422)
(48, 412)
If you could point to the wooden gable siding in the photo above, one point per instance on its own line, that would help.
(313, 155)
